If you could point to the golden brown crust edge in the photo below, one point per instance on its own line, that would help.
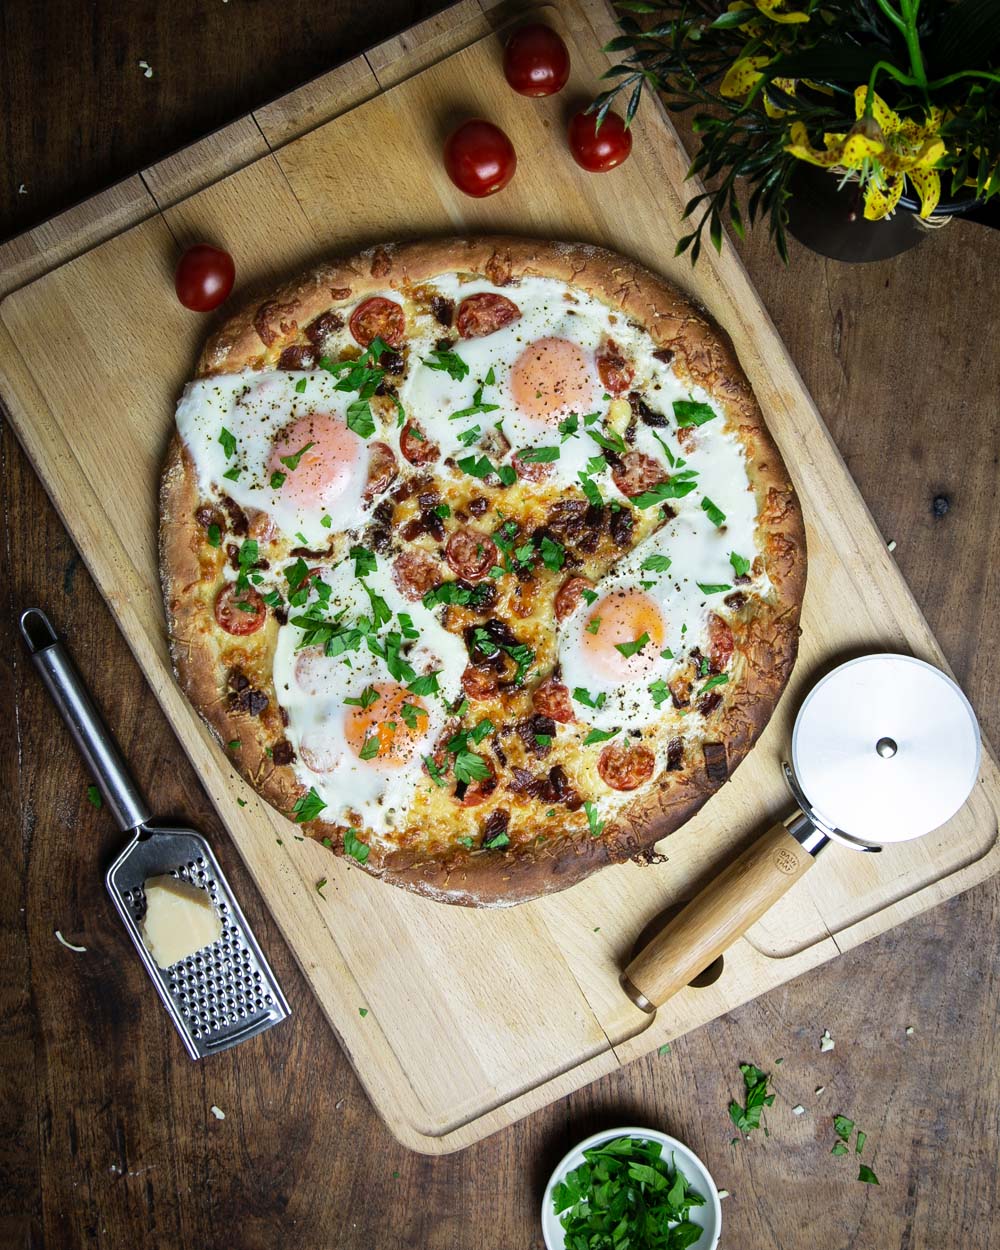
(768, 641)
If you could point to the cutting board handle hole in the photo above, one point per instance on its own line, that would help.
(707, 976)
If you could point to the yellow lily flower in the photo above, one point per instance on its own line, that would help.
(777, 12)
(884, 149)
(744, 74)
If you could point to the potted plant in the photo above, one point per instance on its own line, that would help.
(887, 110)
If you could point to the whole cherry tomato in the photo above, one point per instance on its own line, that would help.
(599, 150)
(479, 158)
(536, 61)
(204, 277)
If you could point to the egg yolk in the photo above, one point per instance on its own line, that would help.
(386, 732)
(318, 456)
(623, 619)
(551, 378)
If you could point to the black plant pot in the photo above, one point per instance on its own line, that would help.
(829, 219)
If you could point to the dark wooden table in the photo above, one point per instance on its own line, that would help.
(106, 1131)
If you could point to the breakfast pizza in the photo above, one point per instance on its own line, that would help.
(479, 560)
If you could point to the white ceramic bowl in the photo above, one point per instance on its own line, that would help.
(709, 1216)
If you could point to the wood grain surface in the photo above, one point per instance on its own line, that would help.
(108, 1140)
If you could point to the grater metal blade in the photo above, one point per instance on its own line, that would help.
(222, 994)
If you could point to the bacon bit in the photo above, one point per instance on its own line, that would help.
(716, 764)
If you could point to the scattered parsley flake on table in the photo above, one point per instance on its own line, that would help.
(747, 1118)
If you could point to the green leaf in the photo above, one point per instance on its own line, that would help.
(843, 1127)
(277, 480)
(600, 735)
(866, 1175)
(741, 566)
(713, 512)
(424, 685)
(495, 843)
(232, 475)
(214, 536)
(354, 847)
(689, 412)
(94, 797)
(370, 747)
(859, 1144)
(359, 419)
(292, 462)
(538, 455)
(628, 649)
(449, 362)
(307, 807)
(228, 441)
(587, 699)
(712, 682)
(656, 564)
(839, 1148)
(364, 560)
(660, 691)
(713, 588)
(676, 488)
(596, 825)
(553, 553)
(300, 386)
(471, 767)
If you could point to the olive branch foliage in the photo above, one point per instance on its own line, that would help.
(939, 52)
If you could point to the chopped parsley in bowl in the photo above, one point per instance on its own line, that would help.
(635, 1187)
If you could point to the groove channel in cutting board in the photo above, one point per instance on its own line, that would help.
(474, 1019)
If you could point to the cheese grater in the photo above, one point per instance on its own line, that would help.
(222, 994)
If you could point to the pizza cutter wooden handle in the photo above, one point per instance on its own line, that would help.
(712, 921)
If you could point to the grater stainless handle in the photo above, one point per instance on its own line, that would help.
(84, 721)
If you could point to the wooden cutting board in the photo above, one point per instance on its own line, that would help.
(473, 1019)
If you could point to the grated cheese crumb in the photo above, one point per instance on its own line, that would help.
(892, 545)
(81, 949)
(723, 1193)
(826, 1041)
(22, 189)
(819, 1089)
(798, 1110)
(909, 1030)
(147, 69)
(217, 1112)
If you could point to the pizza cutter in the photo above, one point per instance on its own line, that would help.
(885, 749)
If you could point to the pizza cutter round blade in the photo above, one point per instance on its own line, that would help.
(885, 748)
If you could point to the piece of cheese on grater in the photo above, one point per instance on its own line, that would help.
(179, 920)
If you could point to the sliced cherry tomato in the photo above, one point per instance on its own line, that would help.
(378, 318)
(599, 150)
(479, 158)
(239, 611)
(536, 61)
(204, 277)
(484, 314)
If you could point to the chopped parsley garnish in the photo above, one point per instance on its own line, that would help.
(232, 475)
(214, 536)
(364, 561)
(407, 626)
(234, 745)
(320, 885)
(326, 521)
(292, 462)
(591, 490)
(671, 460)
(859, 1144)
(277, 480)
(689, 412)
(466, 841)
(866, 1175)
(426, 684)
(307, 807)
(656, 564)
(609, 440)
(568, 426)
(365, 699)
(370, 747)
(452, 592)
(470, 436)
(538, 455)
(713, 512)
(477, 406)
(839, 1148)
(354, 847)
(600, 735)
(360, 419)
(553, 553)
(596, 825)
(495, 843)
(660, 691)
(483, 467)
(741, 565)
(843, 1127)
(442, 510)
(481, 731)
(712, 682)
(628, 649)
(713, 588)
(300, 386)
(411, 715)
(747, 1118)
(676, 488)
(433, 771)
(470, 767)
(94, 797)
(666, 653)
(590, 597)
(447, 361)
(273, 599)
(625, 1194)
(594, 625)
(247, 557)
(543, 740)
(297, 573)
(228, 441)
(587, 699)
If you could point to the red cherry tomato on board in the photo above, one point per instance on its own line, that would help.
(599, 150)
(536, 61)
(204, 277)
(479, 158)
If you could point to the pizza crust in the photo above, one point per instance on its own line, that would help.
(767, 640)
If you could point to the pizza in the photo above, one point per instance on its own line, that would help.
(479, 560)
